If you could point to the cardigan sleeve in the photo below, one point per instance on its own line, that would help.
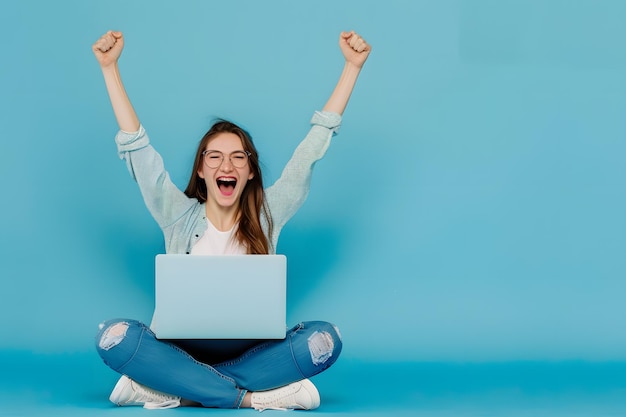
(165, 201)
(289, 192)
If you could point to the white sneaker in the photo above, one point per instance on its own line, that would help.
(129, 392)
(301, 395)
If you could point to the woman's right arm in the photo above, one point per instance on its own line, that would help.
(165, 201)
(288, 193)
(107, 50)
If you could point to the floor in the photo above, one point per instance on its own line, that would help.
(78, 385)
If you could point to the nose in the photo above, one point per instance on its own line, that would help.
(226, 165)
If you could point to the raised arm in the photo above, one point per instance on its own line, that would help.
(165, 201)
(107, 50)
(289, 192)
(355, 51)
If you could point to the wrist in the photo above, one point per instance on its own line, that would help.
(353, 67)
(110, 67)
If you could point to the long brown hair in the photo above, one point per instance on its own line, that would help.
(252, 202)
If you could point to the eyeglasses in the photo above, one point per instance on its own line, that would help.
(214, 159)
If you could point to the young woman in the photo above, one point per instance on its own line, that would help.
(224, 210)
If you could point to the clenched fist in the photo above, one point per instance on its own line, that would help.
(108, 48)
(354, 48)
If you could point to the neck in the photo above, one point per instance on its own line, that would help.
(223, 218)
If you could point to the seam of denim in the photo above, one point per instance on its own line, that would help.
(143, 330)
(293, 357)
(242, 394)
(206, 366)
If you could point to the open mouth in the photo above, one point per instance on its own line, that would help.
(226, 185)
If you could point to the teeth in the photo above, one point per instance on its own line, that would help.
(227, 179)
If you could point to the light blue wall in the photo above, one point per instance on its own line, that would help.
(473, 206)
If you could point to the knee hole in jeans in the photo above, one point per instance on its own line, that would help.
(322, 345)
(113, 335)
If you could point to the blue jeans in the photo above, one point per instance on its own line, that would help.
(131, 348)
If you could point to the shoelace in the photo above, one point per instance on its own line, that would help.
(147, 396)
(162, 405)
(269, 400)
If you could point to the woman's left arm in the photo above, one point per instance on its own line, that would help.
(355, 51)
(288, 193)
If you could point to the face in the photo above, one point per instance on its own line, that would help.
(225, 183)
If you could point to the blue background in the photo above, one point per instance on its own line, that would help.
(472, 208)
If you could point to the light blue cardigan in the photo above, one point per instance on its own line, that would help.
(183, 219)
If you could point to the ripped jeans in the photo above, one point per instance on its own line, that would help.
(131, 348)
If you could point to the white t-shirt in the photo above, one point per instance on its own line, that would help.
(216, 242)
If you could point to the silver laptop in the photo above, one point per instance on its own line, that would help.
(220, 297)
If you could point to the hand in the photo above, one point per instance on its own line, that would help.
(108, 48)
(354, 48)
